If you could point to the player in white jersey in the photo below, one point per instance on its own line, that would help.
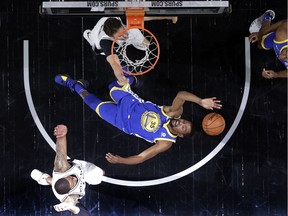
(102, 35)
(69, 177)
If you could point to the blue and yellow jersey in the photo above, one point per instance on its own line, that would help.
(135, 116)
(269, 42)
(149, 122)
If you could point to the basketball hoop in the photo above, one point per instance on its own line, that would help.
(146, 47)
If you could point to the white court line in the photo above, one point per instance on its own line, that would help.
(165, 179)
(29, 97)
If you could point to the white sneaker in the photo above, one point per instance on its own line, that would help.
(86, 35)
(257, 23)
(39, 177)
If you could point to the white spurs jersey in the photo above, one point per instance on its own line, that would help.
(85, 172)
(135, 37)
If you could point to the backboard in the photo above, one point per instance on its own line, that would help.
(134, 11)
(118, 8)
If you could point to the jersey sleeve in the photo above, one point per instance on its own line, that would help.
(92, 174)
(267, 41)
(106, 46)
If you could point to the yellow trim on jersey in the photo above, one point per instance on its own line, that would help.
(123, 88)
(166, 139)
(166, 127)
(262, 41)
(135, 79)
(163, 112)
(98, 107)
(286, 46)
(280, 42)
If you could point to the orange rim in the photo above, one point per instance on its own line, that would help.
(137, 73)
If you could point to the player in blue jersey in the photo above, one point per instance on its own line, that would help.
(270, 36)
(156, 124)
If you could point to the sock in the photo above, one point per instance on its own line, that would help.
(92, 101)
(79, 88)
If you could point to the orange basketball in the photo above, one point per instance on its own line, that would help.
(213, 124)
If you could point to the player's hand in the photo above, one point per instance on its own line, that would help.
(253, 37)
(122, 80)
(60, 131)
(114, 159)
(66, 206)
(174, 19)
(63, 207)
(269, 74)
(211, 103)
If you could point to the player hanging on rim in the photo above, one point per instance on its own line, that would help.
(102, 35)
(160, 125)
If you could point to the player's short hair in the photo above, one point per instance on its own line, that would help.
(62, 186)
(111, 26)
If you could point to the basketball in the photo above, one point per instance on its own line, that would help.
(213, 124)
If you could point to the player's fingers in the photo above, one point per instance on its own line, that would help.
(57, 208)
(216, 101)
(218, 106)
(109, 156)
(174, 19)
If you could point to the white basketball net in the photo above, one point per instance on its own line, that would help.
(145, 54)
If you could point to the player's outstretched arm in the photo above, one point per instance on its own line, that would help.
(73, 205)
(64, 206)
(122, 80)
(270, 74)
(280, 27)
(176, 109)
(265, 29)
(174, 19)
(151, 152)
(60, 162)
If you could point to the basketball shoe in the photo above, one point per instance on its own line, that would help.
(66, 81)
(257, 23)
(86, 35)
(39, 177)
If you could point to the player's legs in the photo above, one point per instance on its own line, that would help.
(117, 93)
(106, 110)
(79, 86)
